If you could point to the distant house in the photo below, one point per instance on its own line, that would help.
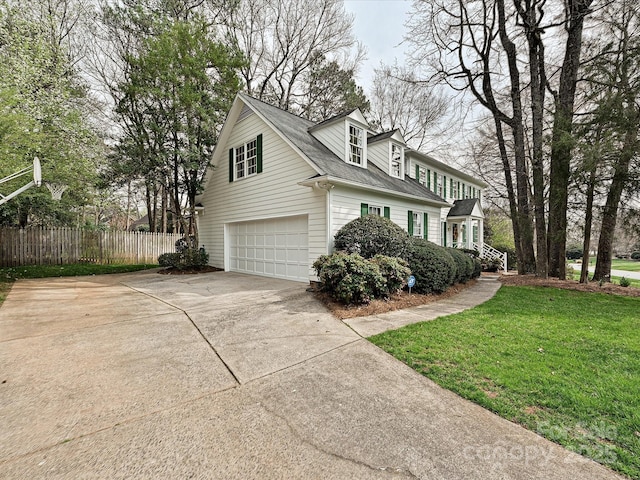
(282, 186)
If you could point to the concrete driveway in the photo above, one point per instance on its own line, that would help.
(230, 376)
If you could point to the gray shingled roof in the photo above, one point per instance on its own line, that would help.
(463, 208)
(294, 128)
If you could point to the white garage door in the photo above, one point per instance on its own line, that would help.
(274, 248)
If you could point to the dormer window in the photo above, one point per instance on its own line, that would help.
(356, 145)
(395, 169)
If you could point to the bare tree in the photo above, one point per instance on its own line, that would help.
(282, 38)
(575, 13)
(400, 101)
(472, 45)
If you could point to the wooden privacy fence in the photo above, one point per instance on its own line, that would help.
(57, 246)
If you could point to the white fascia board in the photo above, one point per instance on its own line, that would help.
(311, 182)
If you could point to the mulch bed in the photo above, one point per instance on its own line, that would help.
(396, 302)
(593, 287)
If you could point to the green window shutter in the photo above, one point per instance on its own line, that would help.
(444, 234)
(459, 197)
(444, 186)
(451, 182)
(364, 209)
(418, 172)
(259, 153)
(410, 223)
(428, 179)
(425, 226)
(387, 212)
(231, 165)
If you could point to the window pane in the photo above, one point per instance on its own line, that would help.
(374, 210)
(355, 144)
(240, 162)
(252, 157)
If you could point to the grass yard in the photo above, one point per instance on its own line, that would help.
(565, 364)
(616, 280)
(9, 274)
(628, 265)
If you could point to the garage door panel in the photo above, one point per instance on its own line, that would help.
(274, 247)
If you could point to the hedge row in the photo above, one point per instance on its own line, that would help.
(350, 278)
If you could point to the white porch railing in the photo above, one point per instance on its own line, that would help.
(491, 253)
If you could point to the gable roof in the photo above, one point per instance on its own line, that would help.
(295, 129)
(463, 208)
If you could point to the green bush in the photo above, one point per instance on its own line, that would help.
(187, 258)
(169, 260)
(477, 268)
(464, 265)
(624, 282)
(574, 253)
(395, 272)
(635, 256)
(372, 235)
(349, 278)
(432, 265)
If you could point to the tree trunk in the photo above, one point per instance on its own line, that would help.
(528, 262)
(610, 212)
(537, 88)
(588, 221)
(561, 144)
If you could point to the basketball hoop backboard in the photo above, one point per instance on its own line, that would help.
(37, 172)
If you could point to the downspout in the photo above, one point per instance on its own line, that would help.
(328, 187)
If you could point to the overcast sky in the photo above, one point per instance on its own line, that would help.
(379, 25)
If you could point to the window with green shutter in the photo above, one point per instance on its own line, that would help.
(428, 179)
(364, 209)
(425, 226)
(410, 222)
(387, 212)
(444, 186)
(245, 160)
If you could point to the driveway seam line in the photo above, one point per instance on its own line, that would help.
(120, 423)
(304, 361)
(213, 349)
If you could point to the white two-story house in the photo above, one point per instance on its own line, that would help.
(282, 186)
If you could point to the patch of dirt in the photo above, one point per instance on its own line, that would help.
(532, 280)
(189, 271)
(396, 302)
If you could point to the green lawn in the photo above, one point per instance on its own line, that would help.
(632, 281)
(628, 265)
(565, 364)
(618, 264)
(10, 274)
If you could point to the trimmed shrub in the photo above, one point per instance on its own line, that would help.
(187, 258)
(432, 265)
(471, 252)
(372, 235)
(395, 272)
(477, 268)
(464, 265)
(169, 260)
(349, 278)
(574, 253)
(624, 282)
(635, 256)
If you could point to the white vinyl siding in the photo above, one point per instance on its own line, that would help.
(333, 137)
(274, 193)
(347, 202)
